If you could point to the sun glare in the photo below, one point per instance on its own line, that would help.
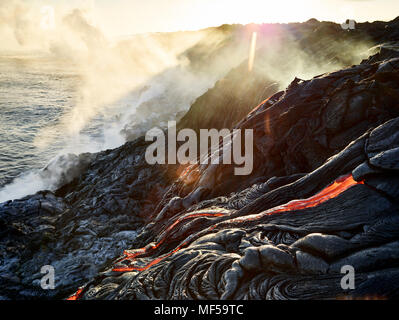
(175, 15)
(233, 11)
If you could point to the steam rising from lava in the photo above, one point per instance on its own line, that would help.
(141, 82)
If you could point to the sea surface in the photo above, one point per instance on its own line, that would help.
(34, 94)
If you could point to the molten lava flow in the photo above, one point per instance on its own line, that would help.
(258, 106)
(77, 295)
(252, 52)
(153, 262)
(335, 189)
(339, 186)
(152, 247)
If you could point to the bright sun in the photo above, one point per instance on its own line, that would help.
(257, 11)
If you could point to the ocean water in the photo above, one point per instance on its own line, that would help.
(34, 94)
(38, 97)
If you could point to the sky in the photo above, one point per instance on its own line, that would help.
(124, 17)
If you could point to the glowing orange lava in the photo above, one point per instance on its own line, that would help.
(333, 190)
(340, 185)
(77, 295)
(258, 106)
(152, 247)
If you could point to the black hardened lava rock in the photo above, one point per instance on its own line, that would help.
(323, 194)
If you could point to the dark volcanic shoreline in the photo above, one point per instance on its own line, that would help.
(208, 234)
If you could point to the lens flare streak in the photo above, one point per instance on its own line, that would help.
(252, 51)
(152, 247)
